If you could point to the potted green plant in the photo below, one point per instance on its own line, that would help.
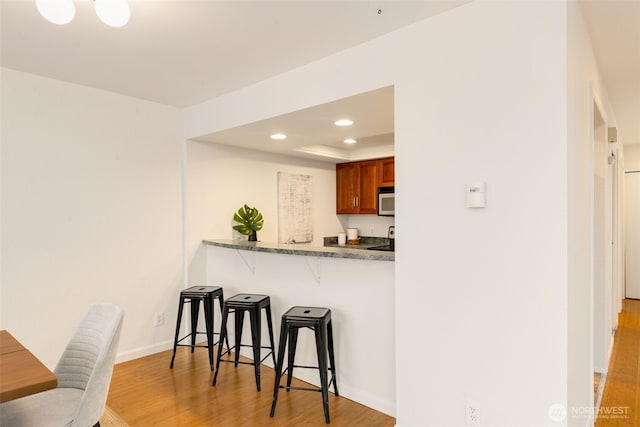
(249, 221)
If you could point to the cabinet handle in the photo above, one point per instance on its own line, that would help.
(357, 200)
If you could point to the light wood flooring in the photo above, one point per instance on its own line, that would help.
(145, 392)
(620, 404)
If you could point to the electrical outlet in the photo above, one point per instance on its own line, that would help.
(159, 318)
(472, 413)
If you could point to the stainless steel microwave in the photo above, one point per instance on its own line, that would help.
(386, 201)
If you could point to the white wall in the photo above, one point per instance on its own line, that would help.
(221, 178)
(481, 295)
(632, 157)
(368, 225)
(485, 101)
(585, 89)
(91, 193)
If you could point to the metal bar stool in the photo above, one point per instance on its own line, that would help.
(194, 295)
(319, 320)
(239, 304)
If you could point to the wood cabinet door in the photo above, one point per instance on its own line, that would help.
(386, 172)
(367, 199)
(347, 179)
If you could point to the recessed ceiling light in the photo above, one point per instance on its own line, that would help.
(278, 136)
(349, 141)
(343, 122)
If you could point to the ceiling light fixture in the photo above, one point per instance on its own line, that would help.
(114, 13)
(349, 141)
(278, 136)
(57, 12)
(343, 122)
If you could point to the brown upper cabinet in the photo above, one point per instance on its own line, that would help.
(386, 172)
(357, 185)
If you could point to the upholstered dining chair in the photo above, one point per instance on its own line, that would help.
(84, 374)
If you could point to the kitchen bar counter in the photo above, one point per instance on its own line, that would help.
(306, 249)
(356, 284)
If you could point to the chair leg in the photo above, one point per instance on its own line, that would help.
(280, 360)
(223, 335)
(208, 318)
(239, 321)
(293, 345)
(321, 346)
(195, 307)
(270, 326)
(332, 361)
(175, 340)
(256, 335)
(221, 303)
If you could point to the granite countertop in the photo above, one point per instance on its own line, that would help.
(307, 249)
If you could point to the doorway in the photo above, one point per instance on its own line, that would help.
(632, 232)
(602, 237)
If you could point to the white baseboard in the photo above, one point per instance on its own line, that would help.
(368, 399)
(137, 353)
(357, 395)
(605, 369)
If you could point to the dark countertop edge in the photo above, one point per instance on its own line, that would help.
(304, 249)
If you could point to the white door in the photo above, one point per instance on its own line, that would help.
(632, 238)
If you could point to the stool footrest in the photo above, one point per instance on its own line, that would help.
(303, 366)
(331, 381)
(228, 351)
(195, 333)
(192, 346)
(319, 390)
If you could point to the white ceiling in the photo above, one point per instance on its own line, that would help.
(614, 26)
(182, 52)
(311, 132)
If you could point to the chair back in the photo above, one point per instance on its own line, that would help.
(87, 361)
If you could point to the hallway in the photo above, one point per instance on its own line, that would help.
(621, 399)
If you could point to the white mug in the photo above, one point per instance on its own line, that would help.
(342, 238)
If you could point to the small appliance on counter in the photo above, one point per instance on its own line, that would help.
(391, 246)
(352, 236)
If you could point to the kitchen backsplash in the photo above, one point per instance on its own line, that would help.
(370, 225)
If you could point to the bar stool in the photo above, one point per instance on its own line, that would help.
(319, 320)
(194, 295)
(239, 304)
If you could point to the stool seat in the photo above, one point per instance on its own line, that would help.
(312, 314)
(248, 300)
(194, 295)
(201, 291)
(238, 305)
(319, 320)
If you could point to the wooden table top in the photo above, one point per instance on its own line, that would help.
(21, 373)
